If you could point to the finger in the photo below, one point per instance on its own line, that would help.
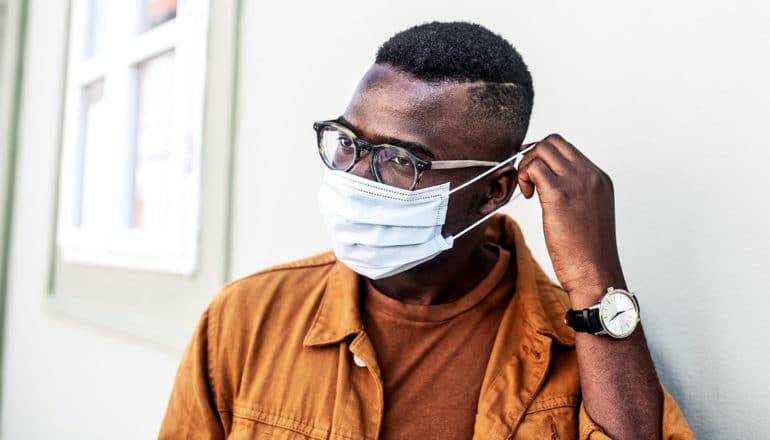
(535, 175)
(569, 151)
(524, 147)
(551, 156)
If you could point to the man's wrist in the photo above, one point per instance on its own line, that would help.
(589, 291)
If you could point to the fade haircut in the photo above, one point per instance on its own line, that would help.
(460, 52)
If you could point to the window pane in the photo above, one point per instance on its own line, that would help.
(98, 15)
(157, 12)
(95, 176)
(157, 192)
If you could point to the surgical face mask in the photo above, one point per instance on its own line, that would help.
(379, 230)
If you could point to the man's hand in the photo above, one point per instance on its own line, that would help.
(578, 218)
(620, 388)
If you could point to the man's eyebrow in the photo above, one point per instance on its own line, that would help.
(415, 147)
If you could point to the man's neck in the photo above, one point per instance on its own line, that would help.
(447, 278)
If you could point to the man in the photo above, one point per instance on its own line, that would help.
(431, 319)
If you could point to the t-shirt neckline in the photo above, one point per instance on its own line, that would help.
(377, 302)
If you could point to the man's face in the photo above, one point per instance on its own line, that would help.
(433, 122)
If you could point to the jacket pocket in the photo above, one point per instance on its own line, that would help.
(244, 428)
(552, 419)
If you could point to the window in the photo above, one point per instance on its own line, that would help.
(130, 179)
(142, 228)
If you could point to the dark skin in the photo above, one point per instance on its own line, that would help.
(389, 105)
(619, 384)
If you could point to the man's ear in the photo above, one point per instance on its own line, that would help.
(500, 188)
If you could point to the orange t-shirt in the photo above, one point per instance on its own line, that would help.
(433, 357)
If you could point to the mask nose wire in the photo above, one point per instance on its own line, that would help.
(527, 148)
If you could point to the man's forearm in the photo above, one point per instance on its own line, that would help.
(621, 390)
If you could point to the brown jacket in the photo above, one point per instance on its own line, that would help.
(276, 355)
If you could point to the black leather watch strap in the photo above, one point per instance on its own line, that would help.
(586, 320)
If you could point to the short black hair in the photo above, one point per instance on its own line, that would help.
(466, 52)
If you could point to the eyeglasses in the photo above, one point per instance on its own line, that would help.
(396, 166)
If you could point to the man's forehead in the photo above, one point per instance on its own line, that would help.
(383, 77)
(391, 103)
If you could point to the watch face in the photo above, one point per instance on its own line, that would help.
(618, 314)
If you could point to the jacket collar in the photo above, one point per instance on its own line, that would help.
(339, 314)
(538, 302)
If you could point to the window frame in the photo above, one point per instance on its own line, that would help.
(117, 69)
(148, 306)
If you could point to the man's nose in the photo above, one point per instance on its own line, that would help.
(362, 168)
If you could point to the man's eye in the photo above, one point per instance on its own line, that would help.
(345, 142)
(401, 161)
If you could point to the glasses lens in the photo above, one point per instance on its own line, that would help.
(394, 167)
(337, 149)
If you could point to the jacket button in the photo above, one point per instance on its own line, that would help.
(358, 361)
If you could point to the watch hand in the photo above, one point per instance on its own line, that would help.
(619, 313)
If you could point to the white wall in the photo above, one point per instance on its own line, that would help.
(61, 379)
(3, 13)
(672, 99)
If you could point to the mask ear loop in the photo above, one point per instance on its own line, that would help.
(513, 158)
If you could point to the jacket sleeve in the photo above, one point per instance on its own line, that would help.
(192, 411)
(675, 426)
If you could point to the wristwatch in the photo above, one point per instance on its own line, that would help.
(616, 315)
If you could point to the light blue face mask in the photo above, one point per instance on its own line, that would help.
(379, 230)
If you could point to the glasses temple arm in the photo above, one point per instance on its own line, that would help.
(498, 165)
(452, 164)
